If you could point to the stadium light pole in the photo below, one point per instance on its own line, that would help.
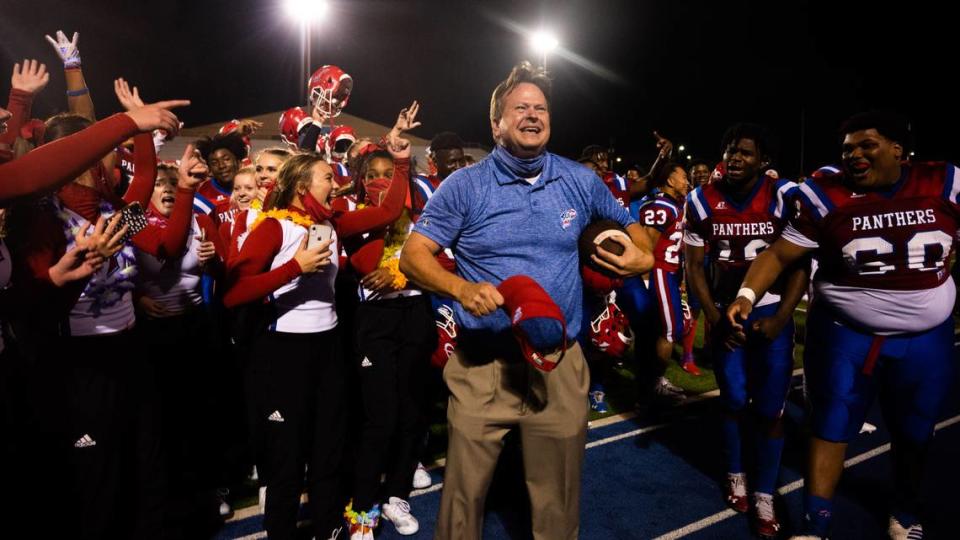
(305, 13)
(543, 42)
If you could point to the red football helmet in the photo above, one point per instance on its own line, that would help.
(718, 172)
(339, 141)
(610, 331)
(446, 336)
(329, 89)
(291, 121)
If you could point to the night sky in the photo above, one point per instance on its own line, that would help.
(687, 69)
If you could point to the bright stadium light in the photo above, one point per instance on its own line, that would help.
(689, 158)
(682, 148)
(305, 11)
(619, 160)
(544, 42)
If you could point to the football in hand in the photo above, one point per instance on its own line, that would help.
(600, 233)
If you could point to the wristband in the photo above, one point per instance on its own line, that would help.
(80, 92)
(746, 292)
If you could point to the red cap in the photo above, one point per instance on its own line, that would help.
(524, 299)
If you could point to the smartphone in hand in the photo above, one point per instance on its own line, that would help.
(319, 232)
(133, 217)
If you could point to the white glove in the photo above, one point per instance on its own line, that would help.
(67, 49)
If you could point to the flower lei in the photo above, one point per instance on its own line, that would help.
(277, 214)
(392, 244)
(108, 285)
(369, 519)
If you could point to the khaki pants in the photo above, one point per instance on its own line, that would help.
(489, 398)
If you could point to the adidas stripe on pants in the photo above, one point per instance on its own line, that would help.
(295, 397)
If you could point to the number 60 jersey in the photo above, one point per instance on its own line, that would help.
(737, 231)
(883, 254)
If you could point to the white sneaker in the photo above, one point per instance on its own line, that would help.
(667, 392)
(225, 508)
(899, 532)
(398, 512)
(362, 533)
(664, 385)
(421, 478)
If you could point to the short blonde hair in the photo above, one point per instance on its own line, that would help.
(523, 72)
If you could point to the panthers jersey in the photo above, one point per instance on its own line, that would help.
(735, 232)
(618, 187)
(883, 254)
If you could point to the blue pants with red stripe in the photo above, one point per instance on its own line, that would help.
(655, 307)
(665, 287)
(759, 372)
(912, 372)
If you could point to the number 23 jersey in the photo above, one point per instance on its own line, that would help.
(883, 254)
(666, 216)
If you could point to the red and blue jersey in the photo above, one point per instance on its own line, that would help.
(664, 214)
(213, 200)
(618, 187)
(423, 187)
(735, 232)
(897, 240)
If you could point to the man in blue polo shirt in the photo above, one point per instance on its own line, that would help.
(520, 211)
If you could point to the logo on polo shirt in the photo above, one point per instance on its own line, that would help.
(720, 205)
(566, 218)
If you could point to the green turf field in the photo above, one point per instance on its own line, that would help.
(622, 392)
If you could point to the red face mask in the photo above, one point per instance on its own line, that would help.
(317, 211)
(376, 190)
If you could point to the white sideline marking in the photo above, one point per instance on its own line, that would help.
(626, 435)
(789, 488)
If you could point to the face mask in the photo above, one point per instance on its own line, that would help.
(376, 190)
(317, 211)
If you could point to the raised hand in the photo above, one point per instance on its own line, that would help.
(192, 170)
(406, 120)
(67, 49)
(398, 147)
(158, 116)
(664, 146)
(129, 100)
(248, 126)
(31, 78)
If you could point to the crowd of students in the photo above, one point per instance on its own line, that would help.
(145, 301)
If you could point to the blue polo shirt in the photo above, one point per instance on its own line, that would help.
(500, 226)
